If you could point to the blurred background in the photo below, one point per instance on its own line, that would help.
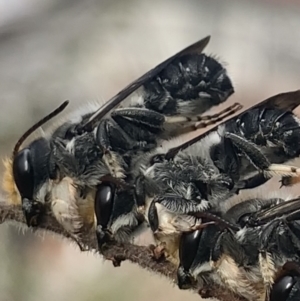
(54, 50)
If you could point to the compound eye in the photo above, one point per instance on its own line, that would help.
(188, 248)
(104, 203)
(282, 288)
(23, 173)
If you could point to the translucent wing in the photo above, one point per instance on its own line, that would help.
(288, 210)
(286, 101)
(196, 48)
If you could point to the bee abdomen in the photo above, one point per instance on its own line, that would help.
(189, 86)
(277, 131)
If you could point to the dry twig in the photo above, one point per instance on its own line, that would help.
(141, 255)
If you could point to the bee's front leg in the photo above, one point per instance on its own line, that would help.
(158, 251)
(113, 135)
(258, 159)
(168, 217)
(185, 279)
(173, 209)
(103, 236)
(33, 212)
(250, 183)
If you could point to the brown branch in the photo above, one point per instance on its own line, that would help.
(141, 255)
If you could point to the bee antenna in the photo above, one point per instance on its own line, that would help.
(216, 219)
(37, 125)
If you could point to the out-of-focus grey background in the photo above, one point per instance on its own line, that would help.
(53, 50)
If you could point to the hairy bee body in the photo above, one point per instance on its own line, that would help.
(89, 160)
(168, 191)
(275, 131)
(272, 231)
(38, 183)
(107, 170)
(98, 146)
(245, 255)
(211, 170)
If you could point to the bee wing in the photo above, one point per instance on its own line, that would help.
(288, 210)
(288, 101)
(117, 99)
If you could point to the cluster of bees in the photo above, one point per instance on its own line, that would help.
(125, 165)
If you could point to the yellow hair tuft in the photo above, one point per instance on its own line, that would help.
(9, 185)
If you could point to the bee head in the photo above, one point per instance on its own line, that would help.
(104, 201)
(286, 286)
(199, 247)
(115, 211)
(188, 247)
(194, 252)
(26, 178)
(27, 173)
(30, 168)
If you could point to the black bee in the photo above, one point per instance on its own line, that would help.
(170, 184)
(167, 183)
(244, 248)
(96, 146)
(204, 172)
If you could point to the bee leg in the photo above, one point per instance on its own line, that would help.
(175, 205)
(82, 246)
(138, 116)
(103, 236)
(110, 135)
(167, 224)
(259, 160)
(289, 181)
(184, 279)
(63, 201)
(158, 251)
(116, 260)
(266, 262)
(254, 207)
(205, 293)
(143, 185)
(251, 183)
(67, 216)
(139, 191)
(250, 150)
(268, 271)
(205, 121)
(142, 126)
(156, 122)
(33, 212)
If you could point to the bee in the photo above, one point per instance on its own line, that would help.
(244, 248)
(202, 173)
(83, 164)
(286, 285)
